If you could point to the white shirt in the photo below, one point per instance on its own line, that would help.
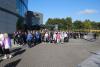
(1, 39)
(46, 35)
(54, 36)
(6, 43)
(65, 35)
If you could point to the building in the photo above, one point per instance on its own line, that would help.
(10, 11)
(29, 15)
(37, 19)
(33, 19)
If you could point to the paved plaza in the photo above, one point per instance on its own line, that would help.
(69, 54)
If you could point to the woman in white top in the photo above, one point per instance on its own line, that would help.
(54, 37)
(7, 46)
(46, 36)
(1, 39)
(62, 37)
(1, 43)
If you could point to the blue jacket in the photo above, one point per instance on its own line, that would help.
(29, 37)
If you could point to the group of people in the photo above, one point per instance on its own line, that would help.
(32, 38)
(35, 37)
(56, 37)
(18, 38)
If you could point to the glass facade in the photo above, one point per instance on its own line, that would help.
(22, 6)
(10, 11)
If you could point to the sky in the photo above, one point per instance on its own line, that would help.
(76, 9)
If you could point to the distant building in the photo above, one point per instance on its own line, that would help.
(28, 21)
(37, 18)
(33, 18)
(10, 11)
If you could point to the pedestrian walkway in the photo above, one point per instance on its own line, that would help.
(53, 55)
(92, 61)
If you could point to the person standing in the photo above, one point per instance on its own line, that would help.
(58, 37)
(46, 36)
(66, 37)
(62, 37)
(29, 39)
(94, 35)
(7, 46)
(54, 37)
(1, 43)
(14, 38)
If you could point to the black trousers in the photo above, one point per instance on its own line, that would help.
(29, 42)
(6, 51)
(1, 50)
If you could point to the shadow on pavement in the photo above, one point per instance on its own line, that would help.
(32, 45)
(97, 63)
(93, 53)
(91, 40)
(13, 64)
(19, 52)
(1, 55)
(1, 61)
(16, 49)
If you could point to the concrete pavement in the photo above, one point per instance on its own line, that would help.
(54, 55)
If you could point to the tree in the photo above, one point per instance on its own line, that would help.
(62, 25)
(49, 21)
(94, 25)
(98, 25)
(68, 23)
(56, 21)
(87, 24)
(78, 24)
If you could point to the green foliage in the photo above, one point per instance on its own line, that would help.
(66, 24)
(94, 25)
(78, 24)
(87, 24)
(98, 25)
(62, 23)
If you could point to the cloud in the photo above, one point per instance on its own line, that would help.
(88, 11)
